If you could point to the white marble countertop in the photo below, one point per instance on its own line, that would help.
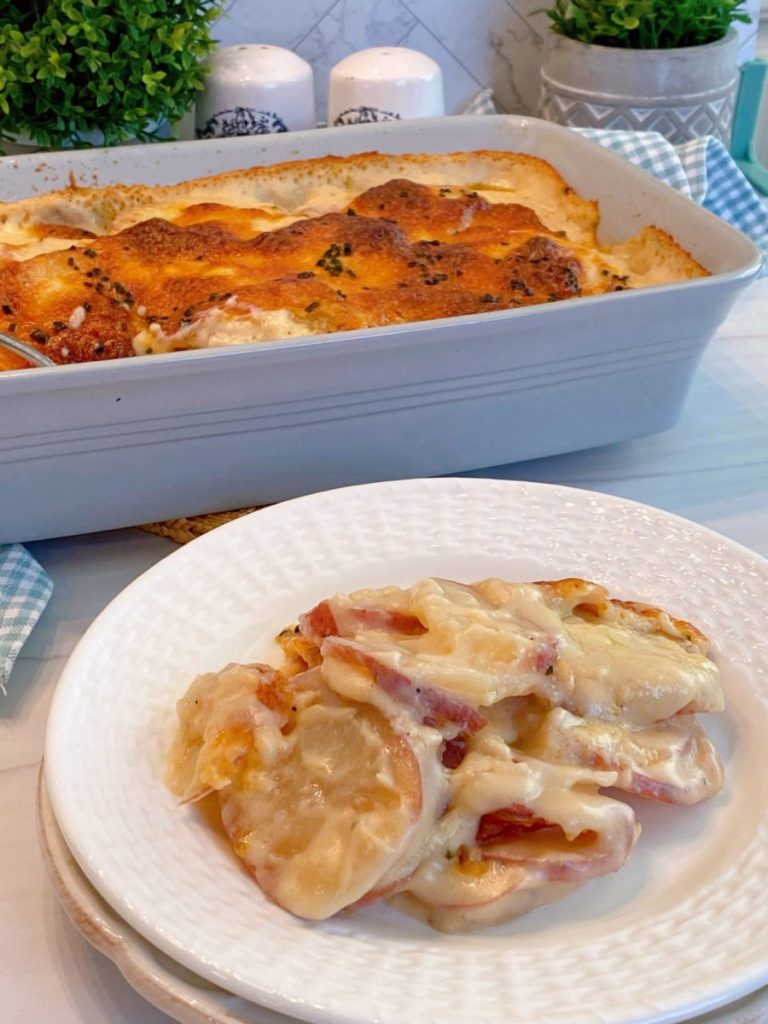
(712, 467)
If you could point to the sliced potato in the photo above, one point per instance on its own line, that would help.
(324, 825)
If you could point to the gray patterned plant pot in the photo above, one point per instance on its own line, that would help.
(682, 93)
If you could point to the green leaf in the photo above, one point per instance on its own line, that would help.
(639, 24)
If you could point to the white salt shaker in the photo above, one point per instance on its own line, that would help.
(385, 83)
(255, 89)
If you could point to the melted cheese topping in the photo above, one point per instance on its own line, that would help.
(479, 653)
(618, 674)
(309, 247)
(216, 328)
(449, 744)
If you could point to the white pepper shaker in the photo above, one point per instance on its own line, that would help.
(255, 89)
(385, 83)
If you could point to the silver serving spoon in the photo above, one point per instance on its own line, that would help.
(31, 354)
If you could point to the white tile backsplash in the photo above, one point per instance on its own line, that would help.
(283, 23)
(458, 83)
(492, 42)
(348, 26)
(478, 43)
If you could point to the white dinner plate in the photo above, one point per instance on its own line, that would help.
(679, 930)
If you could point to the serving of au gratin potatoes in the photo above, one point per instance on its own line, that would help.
(460, 749)
(306, 248)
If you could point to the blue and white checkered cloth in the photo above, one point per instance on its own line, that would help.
(702, 169)
(25, 588)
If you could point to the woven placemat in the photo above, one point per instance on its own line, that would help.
(186, 529)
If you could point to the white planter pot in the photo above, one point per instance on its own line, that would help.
(681, 93)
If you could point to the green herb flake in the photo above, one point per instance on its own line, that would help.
(330, 261)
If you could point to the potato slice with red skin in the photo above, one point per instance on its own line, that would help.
(327, 619)
(672, 761)
(454, 624)
(543, 846)
(556, 822)
(326, 823)
(518, 861)
(435, 708)
(555, 829)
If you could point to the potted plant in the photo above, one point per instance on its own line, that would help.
(84, 72)
(668, 66)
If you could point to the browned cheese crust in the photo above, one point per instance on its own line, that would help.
(328, 245)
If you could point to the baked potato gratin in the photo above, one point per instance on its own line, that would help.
(448, 746)
(305, 248)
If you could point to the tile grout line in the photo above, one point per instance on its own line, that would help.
(525, 21)
(438, 40)
(309, 31)
(405, 34)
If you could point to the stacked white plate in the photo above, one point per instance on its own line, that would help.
(678, 932)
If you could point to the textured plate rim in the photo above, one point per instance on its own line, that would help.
(190, 1000)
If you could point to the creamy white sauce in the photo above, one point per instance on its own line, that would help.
(535, 760)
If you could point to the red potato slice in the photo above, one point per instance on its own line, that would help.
(543, 847)
(452, 636)
(488, 862)
(327, 823)
(564, 640)
(672, 762)
(333, 618)
(632, 677)
(690, 770)
(549, 819)
(435, 708)
(620, 660)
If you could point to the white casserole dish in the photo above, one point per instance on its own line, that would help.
(103, 445)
